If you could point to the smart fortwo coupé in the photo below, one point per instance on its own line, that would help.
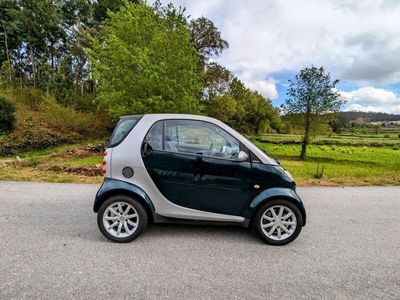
(187, 168)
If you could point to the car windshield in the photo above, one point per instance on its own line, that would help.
(269, 155)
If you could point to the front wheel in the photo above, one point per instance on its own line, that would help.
(122, 218)
(278, 222)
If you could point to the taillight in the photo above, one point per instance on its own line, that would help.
(105, 153)
(103, 162)
(103, 170)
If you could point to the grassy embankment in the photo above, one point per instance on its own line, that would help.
(49, 141)
(78, 163)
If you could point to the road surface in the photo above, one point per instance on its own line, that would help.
(50, 247)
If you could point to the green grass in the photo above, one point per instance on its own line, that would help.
(85, 161)
(343, 139)
(343, 165)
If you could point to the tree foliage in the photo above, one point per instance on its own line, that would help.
(312, 95)
(207, 40)
(146, 62)
(242, 108)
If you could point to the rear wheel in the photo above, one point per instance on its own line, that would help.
(122, 219)
(278, 222)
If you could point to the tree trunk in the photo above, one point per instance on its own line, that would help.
(306, 138)
(7, 53)
(33, 66)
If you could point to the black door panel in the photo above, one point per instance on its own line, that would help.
(202, 183)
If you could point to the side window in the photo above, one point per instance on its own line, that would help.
(122, 129)
(199, 137)
(154, 136)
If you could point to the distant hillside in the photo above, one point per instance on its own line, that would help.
(349, 116)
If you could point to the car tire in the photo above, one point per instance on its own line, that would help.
(289, 223)
(124, 210)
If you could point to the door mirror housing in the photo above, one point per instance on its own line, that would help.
(243, 156)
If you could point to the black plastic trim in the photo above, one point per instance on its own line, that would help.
(161, 219)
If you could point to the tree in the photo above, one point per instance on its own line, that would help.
(337, 124)
(102, 7)
(313, 95)
(376, 128)
(360, 122)
(207, 39)
(146, 62)
(216, 81)
(223, 108)
(232, 102)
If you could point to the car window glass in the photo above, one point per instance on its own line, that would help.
(122, 129)
(154, 136)
(199, 137)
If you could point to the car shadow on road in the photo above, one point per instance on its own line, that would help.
(160, 232)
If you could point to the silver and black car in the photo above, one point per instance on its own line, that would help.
(193, 169)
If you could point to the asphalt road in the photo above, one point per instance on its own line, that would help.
(50, 248)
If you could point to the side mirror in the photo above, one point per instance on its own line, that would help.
(243, 156)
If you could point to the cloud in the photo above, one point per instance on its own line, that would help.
(372, 99)
(266, 87)
(357, 41)
(378, 59)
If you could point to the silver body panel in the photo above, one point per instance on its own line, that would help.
(128, 153)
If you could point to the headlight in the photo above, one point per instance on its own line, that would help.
(289, 175)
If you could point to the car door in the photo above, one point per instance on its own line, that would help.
(195, 164)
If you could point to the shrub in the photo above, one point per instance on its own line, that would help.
(7, 114)
(319, 173)
(263, 127)
(30, 97)
(386, 136)
(67, 119)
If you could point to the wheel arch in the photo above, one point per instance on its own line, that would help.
(112, 187)
(272, 194)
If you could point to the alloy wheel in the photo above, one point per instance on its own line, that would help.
(278, 222)
(120, 219)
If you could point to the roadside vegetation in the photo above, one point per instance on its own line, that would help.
(78, 163)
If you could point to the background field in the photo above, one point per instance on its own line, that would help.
(358, 158)
(346, 159)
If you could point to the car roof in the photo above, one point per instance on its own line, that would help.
(173, 116)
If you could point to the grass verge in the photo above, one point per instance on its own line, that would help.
(79, 163)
